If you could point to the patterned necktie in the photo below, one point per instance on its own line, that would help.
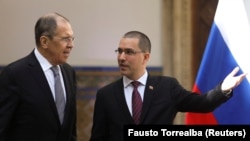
(59, 96)
(136, 102)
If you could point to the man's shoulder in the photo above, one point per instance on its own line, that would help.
(162, 78)
(112, 85)
(18, 64)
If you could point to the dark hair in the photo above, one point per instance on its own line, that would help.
(46, 26)
(144, 41)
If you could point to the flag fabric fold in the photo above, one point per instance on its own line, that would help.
(228, 46)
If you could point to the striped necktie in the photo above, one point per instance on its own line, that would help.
(136, 102)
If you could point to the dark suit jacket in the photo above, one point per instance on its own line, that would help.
(27, 108)
(163, 98)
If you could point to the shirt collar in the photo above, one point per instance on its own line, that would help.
(142, 80)
(42, 60)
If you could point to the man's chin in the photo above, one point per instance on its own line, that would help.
(123, 72)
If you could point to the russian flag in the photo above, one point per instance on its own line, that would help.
(228, 46)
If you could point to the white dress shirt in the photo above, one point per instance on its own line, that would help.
(128, 89)
(46, 66)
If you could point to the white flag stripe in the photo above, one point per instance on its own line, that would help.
(233, 22)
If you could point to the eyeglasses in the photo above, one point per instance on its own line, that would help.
(127, 51)
(66, 39)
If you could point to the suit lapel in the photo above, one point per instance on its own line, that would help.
(37, 72)
(67, 91)
(148, 96)
(66, 84)
(120, 96)
(40, 78)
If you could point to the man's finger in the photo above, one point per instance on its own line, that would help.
(235, 70)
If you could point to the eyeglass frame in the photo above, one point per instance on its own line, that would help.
(66, 39)
(127, 51)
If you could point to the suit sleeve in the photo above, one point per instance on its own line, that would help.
(188, 101)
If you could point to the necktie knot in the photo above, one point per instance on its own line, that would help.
(135, 84)
(55, 70)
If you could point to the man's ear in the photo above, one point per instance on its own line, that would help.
(44, 41)
(146, 57)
